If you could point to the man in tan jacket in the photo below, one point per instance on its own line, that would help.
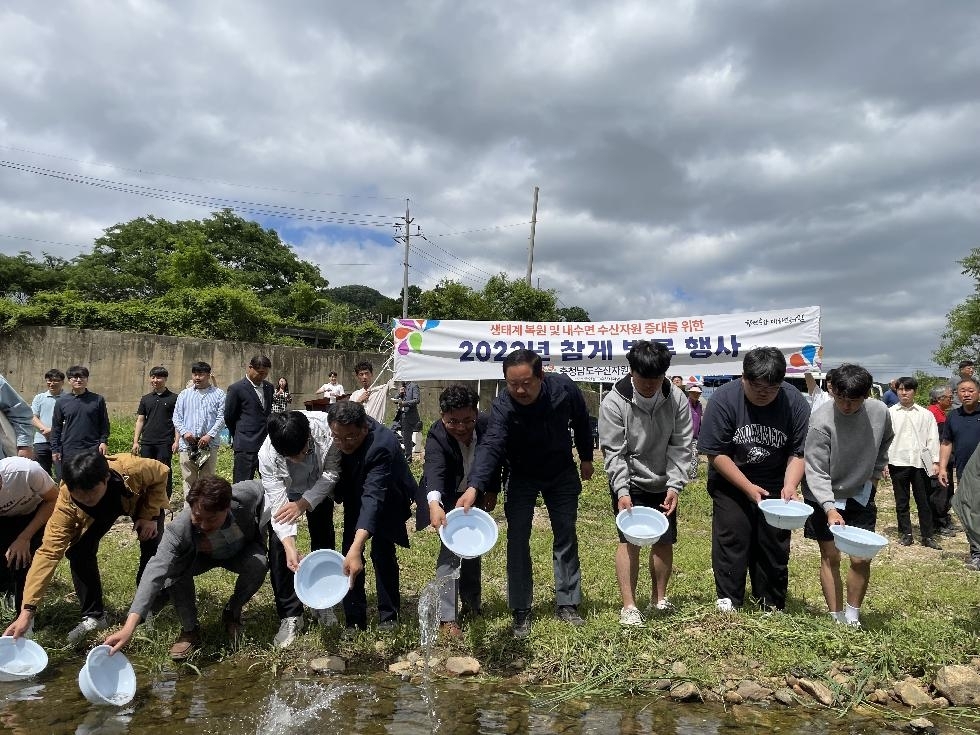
(95, 491)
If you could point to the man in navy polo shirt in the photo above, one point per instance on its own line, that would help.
(961, 434)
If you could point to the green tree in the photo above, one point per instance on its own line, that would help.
(515, 300)
(961, 340)
(452, 300)
(573, 314)
(22, 276)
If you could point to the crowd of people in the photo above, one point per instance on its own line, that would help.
(761, 436)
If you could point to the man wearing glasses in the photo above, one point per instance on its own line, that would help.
(529, 430)
(376, 488)
(80, 421)
(753, 434)
(449, 450)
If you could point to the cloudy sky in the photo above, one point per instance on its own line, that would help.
(692, 157)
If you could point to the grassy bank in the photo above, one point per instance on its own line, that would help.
(922, 611)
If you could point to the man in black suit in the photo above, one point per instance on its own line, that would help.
(248, 404)
(376, 488)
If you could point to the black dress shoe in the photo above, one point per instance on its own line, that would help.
(931, 543)
(906, 539)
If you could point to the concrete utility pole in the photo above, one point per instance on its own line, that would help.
(406, 237)
(530, 249)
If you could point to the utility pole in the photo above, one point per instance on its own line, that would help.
(406, 237)
(530, 249)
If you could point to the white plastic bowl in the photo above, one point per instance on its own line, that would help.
(855, 541)
(469, 534)
(106, 679)
(642, 526)
(20, 659)
(785, 514)
(320, 581)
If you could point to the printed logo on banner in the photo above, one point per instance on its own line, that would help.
(407, 333)
(806, 357)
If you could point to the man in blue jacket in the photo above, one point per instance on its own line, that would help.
(529, 429)
(376, 488)
(449, 451)
(248, 404)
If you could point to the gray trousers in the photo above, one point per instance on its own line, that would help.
(467, 585)
(560, 496)
(250, 564)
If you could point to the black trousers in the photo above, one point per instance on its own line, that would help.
(916, 479)
(84, 564)
(320, 522)
(44, 457)
(12, 580)
(386, 577)
(742, 541)
(163, 453)
(245, 467)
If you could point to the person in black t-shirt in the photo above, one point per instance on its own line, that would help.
(753, 433)
(155, 436)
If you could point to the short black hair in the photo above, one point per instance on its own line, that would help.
(965, 363)
(259, 362)
(289, 432)
(767, 364)
(211, 494)
(649, 359)
(77, 371)
(54, 374)
(159, 372)
(200, 367)
(852, 381)
(333, 373)
(907, 382)
(524, 357)
(363, 365)
(347, 413)
(458, 396)
(83, 471)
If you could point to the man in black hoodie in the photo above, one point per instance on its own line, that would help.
(529, 429)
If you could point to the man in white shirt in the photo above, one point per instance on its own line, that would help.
(27, 498)
(912, 458)
(199, 419)
(299, 465)
(372, 396)
(331, 390)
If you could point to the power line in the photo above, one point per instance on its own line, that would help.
(481, 229)
(471, 267)
(261, 208)
(142, 172)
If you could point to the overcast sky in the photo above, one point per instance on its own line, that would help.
(693, 157)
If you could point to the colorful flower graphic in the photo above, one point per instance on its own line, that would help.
(407, 333)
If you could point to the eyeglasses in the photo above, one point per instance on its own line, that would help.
(453, 423)
(764, 388)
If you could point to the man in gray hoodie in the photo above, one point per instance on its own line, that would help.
(846, 452)
(645, 435)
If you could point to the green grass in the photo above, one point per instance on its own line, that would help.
(922, 611)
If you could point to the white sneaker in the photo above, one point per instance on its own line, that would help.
(630, 617)
(88, 625)
(724, 604)
(326, 617)
(289, 628)
(665, 606)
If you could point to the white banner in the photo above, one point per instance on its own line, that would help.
(427, 349)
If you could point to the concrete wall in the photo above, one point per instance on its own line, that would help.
(119, 363)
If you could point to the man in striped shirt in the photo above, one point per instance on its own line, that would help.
(199, 419)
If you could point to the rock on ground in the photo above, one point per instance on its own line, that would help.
(329, 665)
(753, 691)
(921, 724)
(784, 695)
(910, 693)
(818, 691)
(684, 691)
(462, 666)
(959, 684)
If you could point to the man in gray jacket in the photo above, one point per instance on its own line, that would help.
(220, 528)
(846, 452)
(645, 434)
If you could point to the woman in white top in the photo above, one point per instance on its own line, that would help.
(332, 389)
